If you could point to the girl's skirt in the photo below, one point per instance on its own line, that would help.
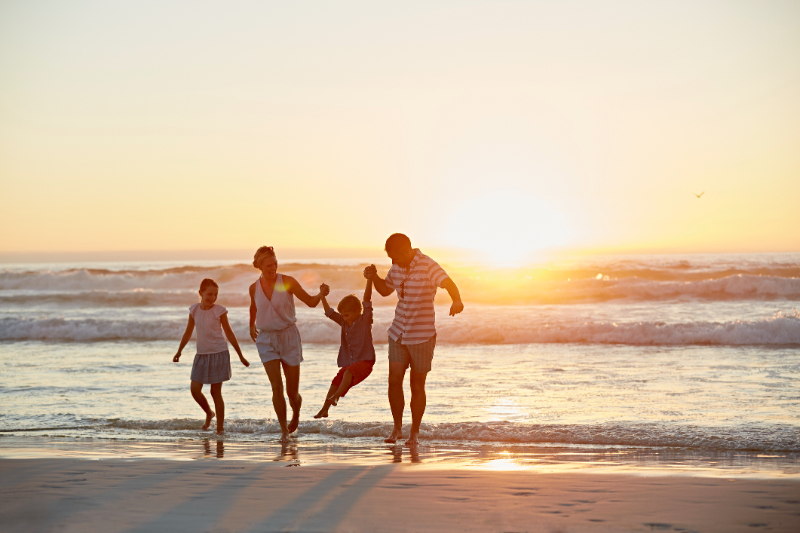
(212, 367)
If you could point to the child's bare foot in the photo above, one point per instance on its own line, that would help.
(209, 416)
(334, 400)
(323, 413)
(397, 433)
(296, 415)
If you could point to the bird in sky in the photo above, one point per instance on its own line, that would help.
(699, 195)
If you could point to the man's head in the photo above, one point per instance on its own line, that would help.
(349, 308)
(398, 248)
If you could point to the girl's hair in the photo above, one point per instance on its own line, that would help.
(349, 303)
(269, 250)
(206, 283)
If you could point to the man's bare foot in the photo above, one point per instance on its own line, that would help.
(396, 434)
(296, 415)
(210, 415)
(323, 413)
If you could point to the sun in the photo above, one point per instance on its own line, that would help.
(506, 226)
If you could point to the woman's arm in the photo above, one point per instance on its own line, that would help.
(226, 327)
(253, 312)
(187, 335)
(295, 289)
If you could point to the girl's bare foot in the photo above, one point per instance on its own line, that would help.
(323, 413)
(209, 416)
(296, 415)
(396, 434)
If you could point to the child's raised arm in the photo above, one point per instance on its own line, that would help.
(226, 327)
(187, 335)
(368, 291)
(324, 290)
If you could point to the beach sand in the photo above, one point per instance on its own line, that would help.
(147, 495)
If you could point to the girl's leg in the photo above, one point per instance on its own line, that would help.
(200, 398)
(219, 405)
(344, 386)
(292, 374)
(273, 369)
(323, 413)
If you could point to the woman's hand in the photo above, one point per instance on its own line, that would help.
(176, 358)
(324, 290)
(253, 333)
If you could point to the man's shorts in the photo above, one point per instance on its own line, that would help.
(418, 356)
(281, 345)
(360, 370)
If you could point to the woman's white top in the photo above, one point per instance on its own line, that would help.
(275, 314)
(210, 338)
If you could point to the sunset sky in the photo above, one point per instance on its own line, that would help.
(490, 125)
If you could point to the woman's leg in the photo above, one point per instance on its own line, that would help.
(200, 398)
(292, 374)
(219, 405)
(273, 369)
(323, 413)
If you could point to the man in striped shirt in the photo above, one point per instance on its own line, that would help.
(412, 336)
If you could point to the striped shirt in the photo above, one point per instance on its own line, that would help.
(414, 317)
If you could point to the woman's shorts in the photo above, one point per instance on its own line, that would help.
(418, 356)
(281, 345)
(211, 368)
(360, 370)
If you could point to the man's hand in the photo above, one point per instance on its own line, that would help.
(371, 272)
(456, 308)
(253, 333)
(324, 290)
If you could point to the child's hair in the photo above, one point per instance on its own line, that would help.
(206, 283)
(349, 303)
(269, 250)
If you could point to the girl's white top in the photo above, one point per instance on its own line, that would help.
(275, 314)
(210, 338)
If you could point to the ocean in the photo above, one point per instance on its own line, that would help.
(669, 360)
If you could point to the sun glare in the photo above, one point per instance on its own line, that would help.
(506, 226)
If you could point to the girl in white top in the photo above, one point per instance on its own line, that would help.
(212, 364)
(273, 329)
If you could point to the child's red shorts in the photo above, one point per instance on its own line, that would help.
(360, 371)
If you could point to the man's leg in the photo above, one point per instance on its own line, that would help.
(397, 371)
(418, 402)
(273, 369)
(292, 374)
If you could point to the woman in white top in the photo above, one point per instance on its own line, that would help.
(212, 364)
(273, 329)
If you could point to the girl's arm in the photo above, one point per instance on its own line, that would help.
(226, 327)
(187, 335)
(253, 312)
(295, 289)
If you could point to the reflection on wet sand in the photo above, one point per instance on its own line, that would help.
(219, 452)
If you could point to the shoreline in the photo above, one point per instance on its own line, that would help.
(238, 496)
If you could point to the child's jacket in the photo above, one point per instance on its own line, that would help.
(356, 342)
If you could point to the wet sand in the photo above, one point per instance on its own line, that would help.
(113, 495)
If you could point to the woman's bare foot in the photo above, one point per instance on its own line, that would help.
(209, 416)
(323, 413)
(284, 438)
(396, 434)
(412, 440)
(221, 431)
(296, 415)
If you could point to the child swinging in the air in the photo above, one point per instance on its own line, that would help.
(356, 353)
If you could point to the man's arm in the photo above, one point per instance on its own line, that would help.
(371, 273)
(452, 290)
